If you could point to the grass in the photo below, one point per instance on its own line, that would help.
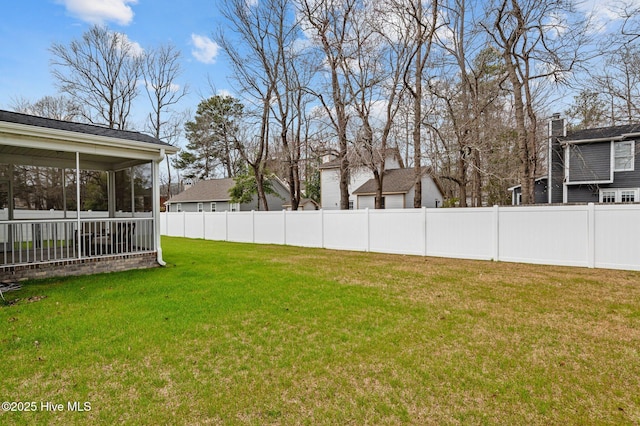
(256, 334)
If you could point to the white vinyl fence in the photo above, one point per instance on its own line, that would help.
(595, 236)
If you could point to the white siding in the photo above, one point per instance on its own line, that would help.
(330, 189)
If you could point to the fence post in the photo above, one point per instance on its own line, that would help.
(204, 226)
(322, 228)
(368, 230)
(496, 233)
(253, 226)
(284, 226)
(424, 231)
(591, 235)
(226, 225)
(184, 224)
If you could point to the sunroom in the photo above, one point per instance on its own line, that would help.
(76, 198)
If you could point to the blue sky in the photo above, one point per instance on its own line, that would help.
(29, 27)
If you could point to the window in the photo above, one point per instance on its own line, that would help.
(608, 197)
(624, 156)
(350, 205)
(627, 196)
(619, 195)
(200, 207)
(213, 207)
(179, 207)
(235, 207)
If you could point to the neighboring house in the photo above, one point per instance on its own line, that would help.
(593, 165)
(305, 204)
(213, 196)
(398, 190)
(73, 239)
(330, 179)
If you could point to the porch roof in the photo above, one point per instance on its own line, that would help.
(37, 141)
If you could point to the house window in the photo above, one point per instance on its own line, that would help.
(213, 207)
(200, 207)
(179, 207)
(619, 195)
(627, 196)
(235, 207)
(608, 196)
(350, 205)
(624, 156)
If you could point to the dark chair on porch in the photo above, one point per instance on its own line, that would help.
(116, 239)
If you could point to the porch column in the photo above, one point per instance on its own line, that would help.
(79, 223)
(155, 177)
(111, 192)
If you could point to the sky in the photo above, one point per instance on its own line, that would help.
(29, 27)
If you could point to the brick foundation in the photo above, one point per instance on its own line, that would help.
(88, 266)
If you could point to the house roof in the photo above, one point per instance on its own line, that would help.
(205, 190)
(396, 181)
(602, 134)
(354, 159)
(87, 129)
(302, 202)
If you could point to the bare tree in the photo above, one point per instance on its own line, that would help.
(378, 56)
(424, 25)
(161, 68)
(249, 54)
(56, 107)
(329, 23)
(100, 71)
(539, 45)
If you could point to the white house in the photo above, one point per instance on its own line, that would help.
(398, 185)
(330, 180)
(398, 190)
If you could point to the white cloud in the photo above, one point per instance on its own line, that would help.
(205, 50)
(101, 11)
(135, 49)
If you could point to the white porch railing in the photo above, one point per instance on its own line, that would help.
(41, 241)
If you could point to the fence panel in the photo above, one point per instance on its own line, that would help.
(304, 228)
(215, 226)
(460, 233)
(174, 226)
(545, 235)
(397, 231)
(346, 230)
(193, 225)
(269, 227)
(617, 237)
(240, 227)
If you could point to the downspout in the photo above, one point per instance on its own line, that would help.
(156, 205)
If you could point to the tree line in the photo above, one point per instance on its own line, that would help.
(461, 86)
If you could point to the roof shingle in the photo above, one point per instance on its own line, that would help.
(32, 120)
(395, 181)
(601, 133)
(206, 190)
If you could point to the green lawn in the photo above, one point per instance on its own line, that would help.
(255, 334)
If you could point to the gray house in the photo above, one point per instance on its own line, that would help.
(593, 165)
(213, 196)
